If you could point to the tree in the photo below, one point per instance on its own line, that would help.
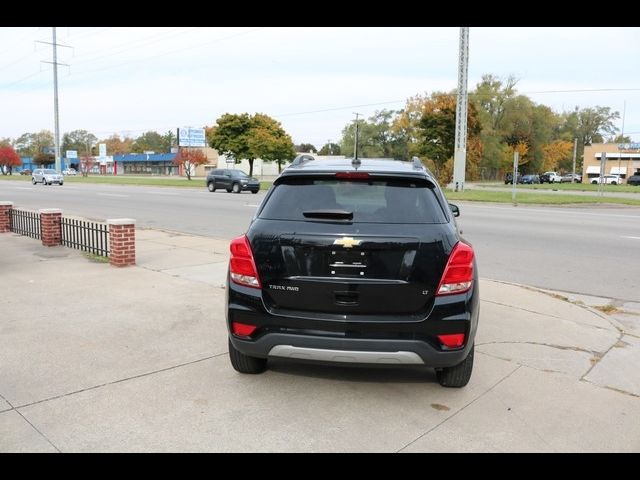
(242, 136)
(81, 141)
(86, 164)
(117, 146)
(269, 141)
(9, 158)
(376, 138)
(151, 141)
(619, 139)
(31, 144)
(190, 158)
(558, 155)
(44, 158)
(330, 149)
(230, 136)
(306, 148)
(588, 125)
(436, 135)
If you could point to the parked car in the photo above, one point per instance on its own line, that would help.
(26, 171)
(530, 179)
(634, 179)
(550, 177)
(70, 171)
(46, 176)
(231, 180)
(354, 262)
(607, 179)
(508, 178)
(571, 178)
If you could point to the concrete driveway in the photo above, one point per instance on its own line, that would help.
(99, 359)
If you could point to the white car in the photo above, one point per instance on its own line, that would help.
(69, 171)
(550, 177)
(46, 176)
(610, 179)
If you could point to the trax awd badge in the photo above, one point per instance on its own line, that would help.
(347, 242)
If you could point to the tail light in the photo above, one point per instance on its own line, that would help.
(242, 267)
(453, 340)
(352, 175)
(458, 274)
(242, 329)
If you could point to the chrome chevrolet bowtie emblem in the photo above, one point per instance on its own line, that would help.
(347, 242)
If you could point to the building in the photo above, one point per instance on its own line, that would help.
(621, 159)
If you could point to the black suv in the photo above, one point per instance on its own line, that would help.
(634, 179)
(231, 180)
(358, 262)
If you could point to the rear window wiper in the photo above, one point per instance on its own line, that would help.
(329, 213)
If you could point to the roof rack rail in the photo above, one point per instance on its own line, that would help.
(300, 159)
(418, 165)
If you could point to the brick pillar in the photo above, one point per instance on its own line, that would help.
(5, 208)
(50, 228)
(122, 242)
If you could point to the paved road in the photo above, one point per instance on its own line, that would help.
(589, 250)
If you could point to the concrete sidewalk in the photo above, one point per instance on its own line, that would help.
(95, 358)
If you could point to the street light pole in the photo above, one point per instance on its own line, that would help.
(460, 152)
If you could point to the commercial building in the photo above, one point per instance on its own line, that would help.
(621, 159)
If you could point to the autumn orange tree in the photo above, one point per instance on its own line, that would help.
(9, 158)
(190, 158)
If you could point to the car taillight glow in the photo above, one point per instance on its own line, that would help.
(242, 267)
(453, 340)
(352, 175)
(242, 329)
(458, 274)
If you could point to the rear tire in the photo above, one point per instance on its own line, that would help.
(457, 376)
(245, 364)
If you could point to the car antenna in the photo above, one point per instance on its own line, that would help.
(356, 161)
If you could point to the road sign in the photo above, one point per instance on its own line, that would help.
(72, 154)
(103, 149)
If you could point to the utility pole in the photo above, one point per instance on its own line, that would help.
(624, 110)
(460, 153)
(575, 149)
(55, 64)
(355, 146)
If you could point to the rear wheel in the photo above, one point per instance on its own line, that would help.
(245, 364)
(212, 186)
(457, 376)
(235, 188)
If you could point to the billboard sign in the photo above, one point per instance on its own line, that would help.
(103, 149)
(191, 137)
(72, 154)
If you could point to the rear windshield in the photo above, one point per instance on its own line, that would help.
(374, 201)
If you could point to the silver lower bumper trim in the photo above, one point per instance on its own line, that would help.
(345, 356)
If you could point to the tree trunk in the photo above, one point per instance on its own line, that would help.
(279, 167)
(251, 167)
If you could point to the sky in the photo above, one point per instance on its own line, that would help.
(127, 80)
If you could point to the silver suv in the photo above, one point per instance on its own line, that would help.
(47, 176)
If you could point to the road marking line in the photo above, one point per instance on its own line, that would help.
(251, 205)
(112, 195)
(628, 236)
(22, 188)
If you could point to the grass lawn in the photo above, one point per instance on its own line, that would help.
(195, 182)
(581, 187)
(536, 198)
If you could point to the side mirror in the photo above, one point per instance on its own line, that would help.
(454, 209)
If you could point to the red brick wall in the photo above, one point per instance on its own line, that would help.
(122, 243)
(50, 228)
(5, 208)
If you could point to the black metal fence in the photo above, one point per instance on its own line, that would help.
(24, 222)
(86, 236)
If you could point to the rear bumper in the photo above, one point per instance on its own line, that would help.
(351, 351)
